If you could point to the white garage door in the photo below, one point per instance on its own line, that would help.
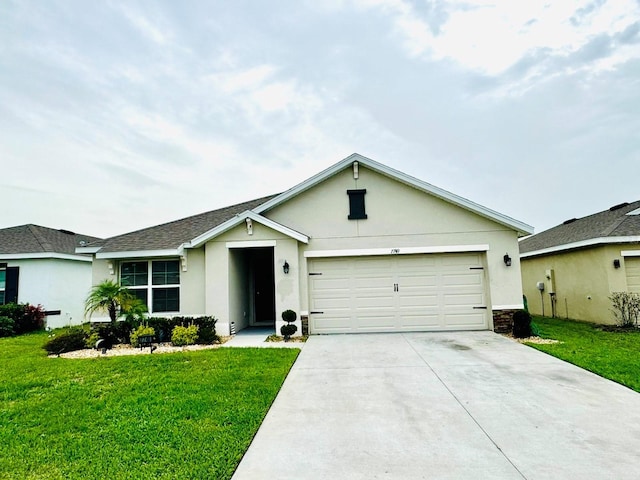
(397, 293)
(632, 268)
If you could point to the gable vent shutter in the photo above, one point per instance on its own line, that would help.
(11, 288)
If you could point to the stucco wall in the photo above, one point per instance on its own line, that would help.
(192, 282)
(584, 280)
(57, 285)
(224, 271)
(398, 216)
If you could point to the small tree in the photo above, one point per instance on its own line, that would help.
(290, 328)
(114, 299)
(626, 308)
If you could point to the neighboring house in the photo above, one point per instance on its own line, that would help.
(359, 247)
(579, 263)
(39, 265)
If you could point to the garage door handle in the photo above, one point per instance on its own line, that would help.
(315, 313)
(479, 308)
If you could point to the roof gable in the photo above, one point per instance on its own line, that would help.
(618, 224)
(520, 227)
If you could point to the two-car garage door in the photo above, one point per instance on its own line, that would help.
(397, 293)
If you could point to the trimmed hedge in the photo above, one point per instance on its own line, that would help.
(120, 332)
(67, 341)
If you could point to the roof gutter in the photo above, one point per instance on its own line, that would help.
(581, 244)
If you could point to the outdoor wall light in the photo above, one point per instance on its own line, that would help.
(616, 263)
(507, 259)
(285, 267)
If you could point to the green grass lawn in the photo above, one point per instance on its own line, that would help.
(182, 415)
(612, 355)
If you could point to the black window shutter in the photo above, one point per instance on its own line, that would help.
(11, 286)
(356, 204)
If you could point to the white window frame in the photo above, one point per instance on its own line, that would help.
(3, 289)
(149, 287)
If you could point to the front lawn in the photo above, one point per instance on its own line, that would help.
(180, 415)
(612, 355)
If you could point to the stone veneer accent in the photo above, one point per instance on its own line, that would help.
(304, 320)
(503, 321)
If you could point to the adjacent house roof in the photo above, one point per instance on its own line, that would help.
(170, 236)
(34, 241)
(618, 224)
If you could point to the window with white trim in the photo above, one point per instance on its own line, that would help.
(155, 282)
(3, 284)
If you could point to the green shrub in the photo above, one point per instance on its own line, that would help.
(26, 318)
(7, 327)
(521, 324)
(138, 332)
(90, 341)
(289, 316)
(288, 330)
(164, 327)
(32, 319)
(181, 336)
(67, 341)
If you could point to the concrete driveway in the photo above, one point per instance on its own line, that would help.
(443, 406)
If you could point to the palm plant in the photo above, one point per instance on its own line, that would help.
(113, 298)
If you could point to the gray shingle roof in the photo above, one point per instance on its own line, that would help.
(613, 222)
(36, 239)
(173, 234)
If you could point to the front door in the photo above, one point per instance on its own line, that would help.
(264, 298)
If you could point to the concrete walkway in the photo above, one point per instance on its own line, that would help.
(443, 406)
(256, 337)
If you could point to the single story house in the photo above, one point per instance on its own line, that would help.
(571, 270)
(39, 265)
(359, 247)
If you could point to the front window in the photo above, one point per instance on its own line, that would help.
(155, 282)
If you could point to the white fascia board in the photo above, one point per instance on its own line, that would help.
(581, 244)
(252, 244)
(45, 255)
(237, 220)
(505, 220)
(630, 253)
(138, 254)
(89, 250)
(634, 212)
(395, 251)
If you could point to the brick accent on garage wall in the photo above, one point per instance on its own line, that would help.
(503, 321)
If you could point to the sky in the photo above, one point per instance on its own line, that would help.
(118, 115)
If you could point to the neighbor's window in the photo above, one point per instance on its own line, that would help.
(356, 204)
(155, 282)
(3, 284)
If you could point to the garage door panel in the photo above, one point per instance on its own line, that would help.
(333, 324)
(397, 293)
(460, 279)
(468, 320)
(632, 268)
(463, 299)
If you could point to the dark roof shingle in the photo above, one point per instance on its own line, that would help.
(173, 234)
(613, 222)
(36, 239)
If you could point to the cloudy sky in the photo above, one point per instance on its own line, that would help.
(116, 115)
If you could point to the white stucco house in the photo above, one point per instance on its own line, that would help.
(359, 247)
(39, 265)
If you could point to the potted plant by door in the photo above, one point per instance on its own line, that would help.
(289, 328)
